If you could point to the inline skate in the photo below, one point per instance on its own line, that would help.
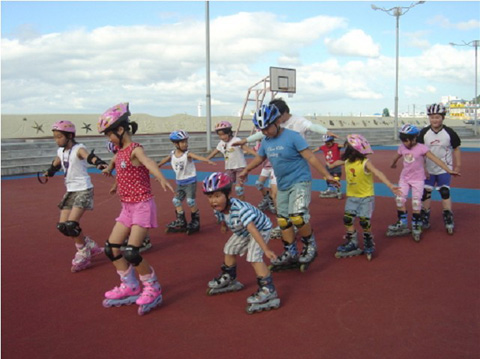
(398, 229)
(265, 298)
(276, 233)
(194, 225)
(331, 192)
(448, 220)
(82, 259)
(289, 259)
(127, 293)
(95, 250)
(225, 282)
(309, 252)
(416, 227)
(178, 225)
(267, 203)
(146, 244)
(350, 247)
(151, 296)
(368, 245)
(425, 214)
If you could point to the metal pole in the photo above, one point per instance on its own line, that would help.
(475, 102)
(208, 96)
(395, 125)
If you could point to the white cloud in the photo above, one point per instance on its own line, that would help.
(445, 23)
(353, 43)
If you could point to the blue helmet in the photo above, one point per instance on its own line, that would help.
(327, 138)
(409, 130)
(265, 116)
(177, 136)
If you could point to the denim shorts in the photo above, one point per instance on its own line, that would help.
(360, 206)
(295, 200)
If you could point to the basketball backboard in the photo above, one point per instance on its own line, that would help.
(283, 80)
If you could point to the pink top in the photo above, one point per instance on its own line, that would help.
(133, 181)
(413, 162)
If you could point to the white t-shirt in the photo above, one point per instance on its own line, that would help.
(75, 169)
(298, 124)
(234, 157)
(184, 168)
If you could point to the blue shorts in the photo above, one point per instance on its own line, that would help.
(441, 180)
(360, 206)
(295, 200)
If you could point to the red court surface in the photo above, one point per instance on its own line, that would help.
(413, 300)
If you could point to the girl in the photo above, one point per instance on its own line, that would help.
(251, 232)
(137, 216)
(412, 176)
(331, 151)
(360, 195)
(234, 158)
(186, 178)
(72, 159)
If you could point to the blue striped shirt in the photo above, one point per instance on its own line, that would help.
(241, 215)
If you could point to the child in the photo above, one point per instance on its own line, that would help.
(72, 158)
(137, 216)
(186, 177)
(445, 144)
(251, 232)
(412, 176)
(291, 158)
(234, 158)
(331, 151)
(359, 171)
(268, 194)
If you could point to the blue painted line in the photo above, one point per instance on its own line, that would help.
(394, 148)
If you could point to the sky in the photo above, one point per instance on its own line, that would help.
(66, 57)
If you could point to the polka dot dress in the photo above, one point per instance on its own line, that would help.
(133, 181)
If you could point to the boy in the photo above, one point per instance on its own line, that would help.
(290, 156)
(444, 143)
(331, 151)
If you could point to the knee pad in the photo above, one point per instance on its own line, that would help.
(444, 192)
(109, 252)
(62, 228)
(365, 223)
(132, 255)
(416, 204)
(176, 202)
(73, 228)
(297, 220)
(400, 201)
(259, 185)
(239, 190)
(191, 202)
(284, 223)
(426, 195)
(348, 219)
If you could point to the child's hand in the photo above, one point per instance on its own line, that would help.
(107, 172)
(113, 190)
(454, 173)
(396, 190)
(165, 184)
(211, 163)
(243, 176)
(270, 254)
(393, 165)
(223, 227)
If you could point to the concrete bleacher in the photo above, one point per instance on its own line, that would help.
(28, 156)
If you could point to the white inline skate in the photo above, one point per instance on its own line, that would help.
(265, 298)
(225, 282)
(350, 247)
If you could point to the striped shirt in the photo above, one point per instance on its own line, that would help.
(241, 214)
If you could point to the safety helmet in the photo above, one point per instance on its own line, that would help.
(177, 136)
(409, 129)
(217, 181)
(327, 138)
(113, 117)
(265, 116)
(223, 125)
(64, 126)
(359, 143)
(436, 108)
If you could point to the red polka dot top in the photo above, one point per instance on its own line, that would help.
(133, 181)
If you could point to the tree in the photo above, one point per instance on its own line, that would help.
(386, 113)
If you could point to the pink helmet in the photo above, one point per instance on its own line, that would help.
(113, 117)
(64, 126)
(359, 143)
(223, 125)
(216, 182)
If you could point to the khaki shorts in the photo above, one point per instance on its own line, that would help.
(80, 199)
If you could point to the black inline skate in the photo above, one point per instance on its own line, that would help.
(178, 225)
(225, 282)
(417, 227)
(287, 260)
(194, 225)
(309, 252)
(368, 245)
(350, 247)
(425, 214)
(448, 220)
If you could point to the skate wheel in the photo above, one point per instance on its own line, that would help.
(141, 311)
(210, 292)
(250, 310)
(106, 303)
(304, 267)
(369, 257)
(450, 231)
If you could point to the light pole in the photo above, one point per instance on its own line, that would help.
(474, 44)
(397, 12)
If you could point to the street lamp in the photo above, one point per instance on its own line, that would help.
(474, 44)
(397, 12)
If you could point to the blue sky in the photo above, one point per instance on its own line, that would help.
(82, 57)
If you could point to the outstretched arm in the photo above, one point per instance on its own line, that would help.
(394, 161)
(140, 155)
(164, 160)
(315, 163)
(200, 158)
(440, 163)
(212, 154)
(379, 174)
